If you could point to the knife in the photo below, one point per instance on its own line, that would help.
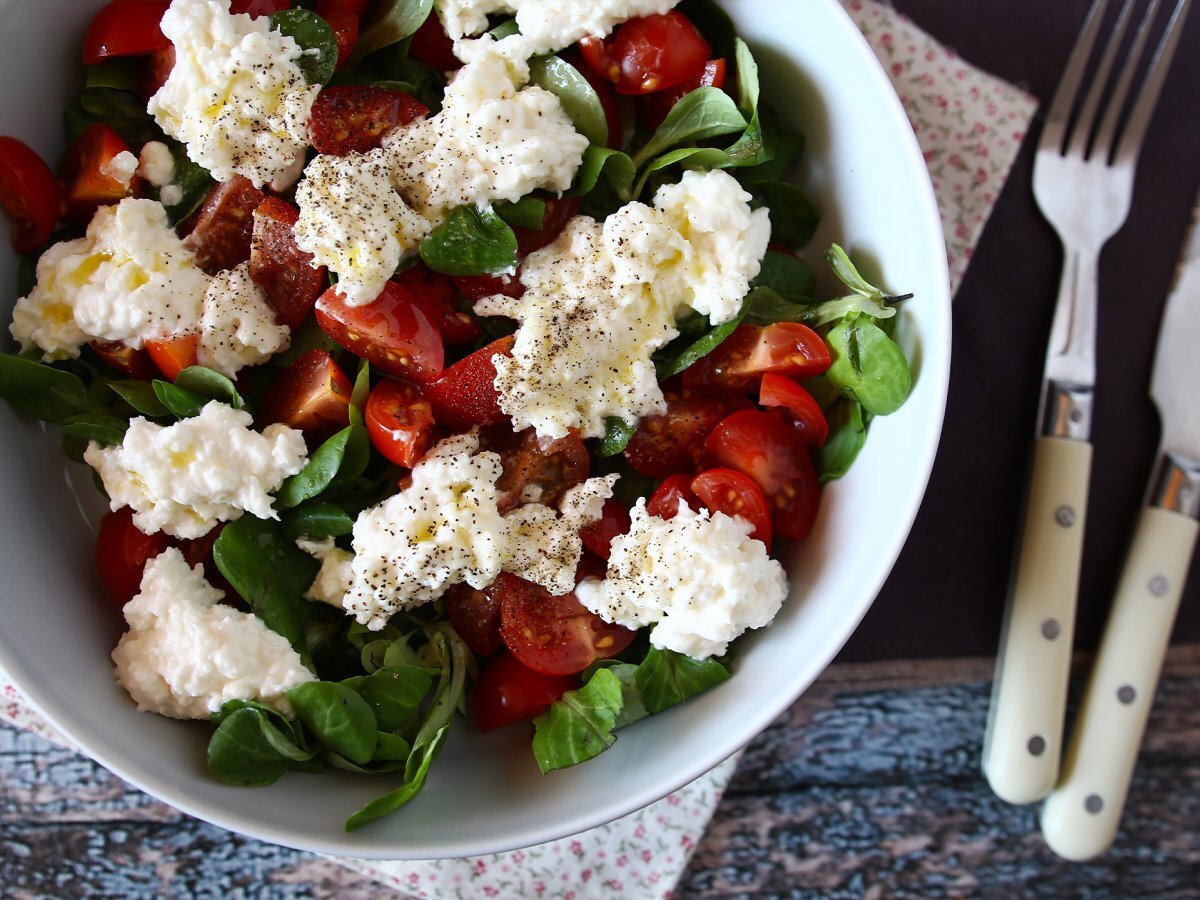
(1080, 816)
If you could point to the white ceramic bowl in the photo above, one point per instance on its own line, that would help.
(484, 793)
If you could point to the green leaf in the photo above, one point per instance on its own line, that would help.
(617, 433)
(391, 748)
(868, 365)
(338, 717)
(182, 404)
(632, 708)
(793, 217)
(666, 678)
(140, 395)
(205, 382)
(317, 519)
(847, 435)
(103, 429)
(122, 111)
(579, 725)
(528, 212)
(394, 693)
(765, 306)
(360, 393)
(323, 467)
(315, 38)
(270, 573)
(471, 243)
(394, 21)
(42, 391)
(616, 167)
(250, 748)
(118, 73)
(673, 359)
(579, 99)
(704, 113)
(848, 273)
(193, 180)
(419, 761)
(788, 276)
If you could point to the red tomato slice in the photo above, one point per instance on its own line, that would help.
(738, 364)
(431, 46)
(735, 494)
(598, 536)
(311, 395)
(475, 615)
(354, 118)
(553, 635)
(126, 360)
(559, 211)
(173, 355)
(664, 502)
(440, 299)
(648, 54)
(283, 271)
(353, 7)
(476, 287)
(464, 395)
(154, 70)
(772, 453)
(393, 332)
(29, 193)
(125, 28)
(222, 231)
(399, 421)
(88, 186)
(256, 8)
(652, 108)
(345, 33)
(122, 551)
(506, 692)
(535, 469)
(802, 409)
(674, 441)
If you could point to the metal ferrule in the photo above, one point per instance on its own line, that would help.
(1176, 485)
(1066, 410)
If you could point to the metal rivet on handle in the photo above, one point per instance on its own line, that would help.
(1037, 745)
(1158, 586)
(1065, 516)
(1051, 629)
(1093, 803)
(1126, 694)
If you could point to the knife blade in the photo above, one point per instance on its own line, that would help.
(1080, 817)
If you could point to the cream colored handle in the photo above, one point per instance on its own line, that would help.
(1025, 723)
(1081, 816)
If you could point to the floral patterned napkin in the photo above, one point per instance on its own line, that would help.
(970, 127)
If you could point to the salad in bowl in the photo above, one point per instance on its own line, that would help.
(444, 366)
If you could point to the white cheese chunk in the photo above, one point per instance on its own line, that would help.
(130, 279)
(186, 654)
(238, 326)
(336, 574)
(156, 164)
(121, 168)
(700, 580)
(185, 478)
(235, 97)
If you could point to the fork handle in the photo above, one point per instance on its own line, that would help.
(1025, 723)
(1080, 817)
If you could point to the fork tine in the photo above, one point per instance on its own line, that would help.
(1143, 109)
(1108, 128)
(1081, 132)
(1055, 128)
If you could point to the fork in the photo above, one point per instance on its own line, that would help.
(1083, 183)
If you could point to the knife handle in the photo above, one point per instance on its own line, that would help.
(1080, 817)
(1025, 723)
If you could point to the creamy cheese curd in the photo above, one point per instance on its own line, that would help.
(130, 279)
(336, 574)
(121, 168)
(186, 654)
(238, 326)
(353, 220)
(699, 579)
(601, 299)
(235, 97)
(157, 166)
(185, 478)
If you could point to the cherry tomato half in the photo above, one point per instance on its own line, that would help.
(29, 193)
(222, 231)
(673, 441)
(345, 33)
(437, 294)
(354, 118)
(614, 521)
(553, 635)
(126, 360)
(311, 395)
(648, 54)
(506, 692)
(87, 182)
(536, 470)
(432, 46)
(798, 405)
(256, 8)
(125, 28)
(735, 494)
(122, 551)
(475, 615)
(738, 364)
(393, 332)
(353, 7)
(464, 395)
(772, 453)
(173, 355)
(154, 70)
(664, 502)
(277, 265)
(559, 211)
(399, 421)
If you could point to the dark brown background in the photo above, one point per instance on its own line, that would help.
(946, 593)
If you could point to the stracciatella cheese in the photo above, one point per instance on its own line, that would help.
(238, 326)
(236, 96)
(157, 166)
(699, 579)
(601, 299)
(186, 654)
(446, 528)
(129, 279)
(185, 478)
(336, 574)
(121, 168)
(354, 221)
